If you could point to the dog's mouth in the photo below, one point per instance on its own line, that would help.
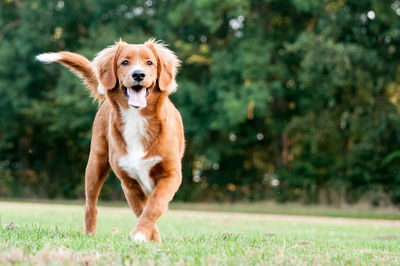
(137, 95)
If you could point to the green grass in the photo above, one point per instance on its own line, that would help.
(52, 234)
(360, 210)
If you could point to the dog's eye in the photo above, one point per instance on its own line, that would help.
(125, 62)
(149, 63)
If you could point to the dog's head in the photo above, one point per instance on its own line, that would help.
(133, 72)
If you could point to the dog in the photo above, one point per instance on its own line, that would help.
(137, 131)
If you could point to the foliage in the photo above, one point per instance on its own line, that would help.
(294, 100)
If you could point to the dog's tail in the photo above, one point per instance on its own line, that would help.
(78, 64)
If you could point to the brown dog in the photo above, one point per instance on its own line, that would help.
(137, 131)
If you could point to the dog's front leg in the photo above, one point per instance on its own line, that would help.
(163, 193)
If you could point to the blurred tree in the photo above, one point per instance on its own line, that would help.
(291, 100)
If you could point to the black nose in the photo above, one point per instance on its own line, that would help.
(138, 75)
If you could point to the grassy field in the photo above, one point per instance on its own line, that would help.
(360, 210)
(33, 233)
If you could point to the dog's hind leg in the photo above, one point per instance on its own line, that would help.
(134, 195)
(96, 172)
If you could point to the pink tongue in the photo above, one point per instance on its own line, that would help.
(137, 98)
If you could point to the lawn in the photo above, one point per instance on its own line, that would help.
(43, 233)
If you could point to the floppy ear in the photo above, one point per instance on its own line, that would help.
(105, 67)
(167, 64)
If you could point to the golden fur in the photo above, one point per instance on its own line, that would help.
(163, 138)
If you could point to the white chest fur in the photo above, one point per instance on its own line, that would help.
(133, 163)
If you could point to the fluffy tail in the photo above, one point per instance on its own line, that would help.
(78, 64)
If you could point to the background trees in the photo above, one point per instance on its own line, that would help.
(290, 100)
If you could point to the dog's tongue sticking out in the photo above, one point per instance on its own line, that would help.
(137, 98)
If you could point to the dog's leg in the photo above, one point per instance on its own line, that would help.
(137, 201)
(96, 172)
(158, 203)
(134, 195)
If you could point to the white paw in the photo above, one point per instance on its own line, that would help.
(139, 237)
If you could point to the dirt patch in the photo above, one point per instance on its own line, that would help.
(387, 237)
(58, 256)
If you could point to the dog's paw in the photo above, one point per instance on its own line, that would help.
(155, 235)
(139, 237)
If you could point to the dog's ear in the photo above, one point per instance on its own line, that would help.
(167, 64)
(105, 66)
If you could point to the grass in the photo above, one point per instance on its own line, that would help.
(360, 210)
(42, 233)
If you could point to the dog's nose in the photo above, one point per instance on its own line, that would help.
(138, 75)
